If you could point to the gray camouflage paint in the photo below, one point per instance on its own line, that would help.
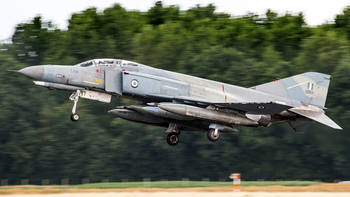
(294, 95)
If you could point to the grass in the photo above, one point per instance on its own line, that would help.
(23, 187)
(283, 183)
(168, 184)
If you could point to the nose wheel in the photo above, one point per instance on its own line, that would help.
(75, 97)
(74, 117)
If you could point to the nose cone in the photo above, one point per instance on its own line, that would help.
(33, 72)
(122, 113)
(113, 111)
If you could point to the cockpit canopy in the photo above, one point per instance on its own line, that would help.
(106, 62)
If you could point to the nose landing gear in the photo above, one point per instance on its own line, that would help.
(75, 97)
(74, 117)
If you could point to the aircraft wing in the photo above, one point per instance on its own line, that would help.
(255, 108)
(248, 107)
(305, 110)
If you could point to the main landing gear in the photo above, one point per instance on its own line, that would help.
(213, 135)
(174, 131)
(75, 97)
(173, 139)
(173, 136)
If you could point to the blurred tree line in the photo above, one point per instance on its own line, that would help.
(39, 141)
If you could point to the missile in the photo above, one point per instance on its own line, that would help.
(56, 86)
(208, 114)
(156, 111)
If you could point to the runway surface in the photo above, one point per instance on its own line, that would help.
(188, 194)
(319, 190)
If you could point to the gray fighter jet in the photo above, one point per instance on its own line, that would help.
(181, 102)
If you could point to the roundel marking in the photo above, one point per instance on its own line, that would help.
(261, 107)
(134, 83)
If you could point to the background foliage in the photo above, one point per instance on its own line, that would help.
(38, 140)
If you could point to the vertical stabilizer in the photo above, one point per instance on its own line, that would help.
(310, 88)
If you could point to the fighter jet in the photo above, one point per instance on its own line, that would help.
(181, 102)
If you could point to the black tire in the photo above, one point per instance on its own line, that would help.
(74, 117)
(211, 136)
(173, 139)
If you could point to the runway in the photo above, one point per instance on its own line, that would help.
(318, 190)
(188, 194)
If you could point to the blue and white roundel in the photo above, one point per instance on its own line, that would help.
(134, 83)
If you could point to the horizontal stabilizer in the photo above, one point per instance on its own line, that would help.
(315, 114)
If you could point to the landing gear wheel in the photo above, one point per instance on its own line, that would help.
(74, 117)
(75, 97)
(212, 136)
(173, 139)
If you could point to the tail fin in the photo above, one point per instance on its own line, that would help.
(310, 88)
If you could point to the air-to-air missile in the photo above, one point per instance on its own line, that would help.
(181, 102)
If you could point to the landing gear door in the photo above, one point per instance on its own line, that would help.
(113, 79)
